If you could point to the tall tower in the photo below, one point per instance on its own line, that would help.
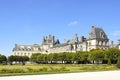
(48, 42)
(111, 44)
(75, 38)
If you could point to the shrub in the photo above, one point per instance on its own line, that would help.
(50, 68)
(3, 70)
(118, 62)
(29, 69)
(18, 71)
(63, 68)
(44, 69)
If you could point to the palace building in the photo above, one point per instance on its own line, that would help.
(97, 39)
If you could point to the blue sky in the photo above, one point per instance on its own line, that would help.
(27, 21)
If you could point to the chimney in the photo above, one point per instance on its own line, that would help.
(82, 39)
(112, 44)
(119, 42)
(93, 26)
(65, 41)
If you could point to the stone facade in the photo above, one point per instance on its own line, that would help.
(26, 50)
(118, 44)
(97, 39)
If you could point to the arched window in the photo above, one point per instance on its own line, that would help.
(101, 34)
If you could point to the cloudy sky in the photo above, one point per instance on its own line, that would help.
(27, 21)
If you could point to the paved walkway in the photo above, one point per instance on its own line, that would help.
(103, 75)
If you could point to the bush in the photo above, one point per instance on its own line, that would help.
(64, 69)
(29, 69)
(3, 70)
(44, 69)
(18, 71)
(118, 62)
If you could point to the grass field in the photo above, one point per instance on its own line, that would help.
(12, 70)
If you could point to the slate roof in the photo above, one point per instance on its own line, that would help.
(60, 45)
(19, 47)
(97, 33)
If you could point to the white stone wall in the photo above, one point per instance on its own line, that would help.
(119, 47)
(60, 49)
(82, 47)
(24, 53)
(45, 47)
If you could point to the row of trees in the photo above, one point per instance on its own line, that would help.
(95, 56)
(18, 59)
(11, 59)
(109, 56)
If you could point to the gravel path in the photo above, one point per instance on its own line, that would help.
(103, 75)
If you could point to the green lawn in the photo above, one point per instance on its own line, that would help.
(9, 70)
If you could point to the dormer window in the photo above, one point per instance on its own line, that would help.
(101, 34)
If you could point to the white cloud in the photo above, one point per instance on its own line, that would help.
(73, 23)
(115, 33)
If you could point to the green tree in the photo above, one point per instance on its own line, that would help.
(55, 57)
(42, 58)
(77, 57)
(39, 58)
(112, 54)
(62, 56)
(17, 59)
(50, 57)
(3, 59)
(69, 57)
(33, 58)
(11, 59)
(24, 59)
(80, 57)
(96, 55)
(118, 62)
(84, 57)
(74, 57)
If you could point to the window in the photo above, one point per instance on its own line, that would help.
(89, 48)
(23, 49)
(101, 34)
(89, 43)
(102, 43)
(105, 43)
(97, 42)
(28, 54)
(25, 54)
(81, 48)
